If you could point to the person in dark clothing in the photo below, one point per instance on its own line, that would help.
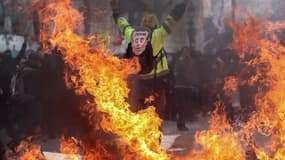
(187, 84)
(170, 98)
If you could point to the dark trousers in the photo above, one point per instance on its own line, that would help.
(143, 90)
(183, 104)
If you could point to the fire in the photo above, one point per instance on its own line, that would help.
(219, 142)
(149, 100)
(261, 53)
(231, 85)
(69, 146)
(103, 76)
(93, 70)
(26, 150)
(268, 61)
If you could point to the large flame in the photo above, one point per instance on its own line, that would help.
(103, 76)
(26, 150)
(219, 142)
(262, 55)
(268, 61)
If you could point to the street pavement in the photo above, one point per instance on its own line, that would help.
(173, 140)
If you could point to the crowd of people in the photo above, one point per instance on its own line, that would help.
(34, 100)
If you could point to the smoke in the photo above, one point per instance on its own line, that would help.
(266, 9)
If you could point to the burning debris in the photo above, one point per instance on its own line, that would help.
(25, 150)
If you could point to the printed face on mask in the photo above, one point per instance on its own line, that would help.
(139, 41)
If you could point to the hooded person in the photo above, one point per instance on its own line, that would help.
(146, 42)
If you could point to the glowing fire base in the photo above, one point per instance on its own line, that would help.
(61, 156)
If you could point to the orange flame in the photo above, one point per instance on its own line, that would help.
(268, 61)
(28, 151)
(150, 99)
(69, 146)
(231, 85)
(104, 77)
(219, 142)
(260, 50)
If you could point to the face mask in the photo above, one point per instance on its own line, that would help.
(139, 41)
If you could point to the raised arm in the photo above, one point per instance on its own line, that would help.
(125, 28)
(160, 34)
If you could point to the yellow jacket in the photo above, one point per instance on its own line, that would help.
(158, 38)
